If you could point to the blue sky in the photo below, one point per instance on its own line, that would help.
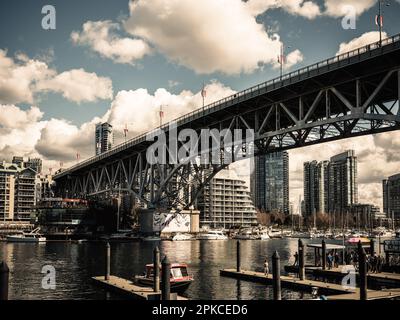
(125, 61)
(21, 24)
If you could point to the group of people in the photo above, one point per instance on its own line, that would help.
(374, 262)
(334, 259)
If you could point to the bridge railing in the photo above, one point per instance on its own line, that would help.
(222, 103)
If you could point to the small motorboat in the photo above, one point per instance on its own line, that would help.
(245, 234)
(182, 237)
(275, 233)
(180, 280)
(28, 237)
(264, 235)
(212, 235)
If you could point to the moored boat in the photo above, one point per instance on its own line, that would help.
(245, 234)
(28, 237)
(180, 280)
(182, 237)
(382, 232)
(264, 235)
(212, 235)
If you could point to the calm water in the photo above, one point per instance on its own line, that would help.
(76, 263)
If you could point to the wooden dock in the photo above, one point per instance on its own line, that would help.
(287, 282)
(129, 289)
(383, 278)
(334, 291)
(372, 295)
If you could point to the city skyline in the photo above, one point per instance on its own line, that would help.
(45, 114)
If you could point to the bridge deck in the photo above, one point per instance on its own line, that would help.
(362, 54)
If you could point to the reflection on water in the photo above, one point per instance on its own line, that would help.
(76, 263)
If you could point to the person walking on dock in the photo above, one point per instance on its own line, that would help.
(330, 261)
(379, 264)
(336, 260)
(266, 267)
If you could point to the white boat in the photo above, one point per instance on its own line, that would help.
(182, 237)
(273, 233)
(212, 235)
(382, 232)
(28, 237)
(245, 234)
(264, 235)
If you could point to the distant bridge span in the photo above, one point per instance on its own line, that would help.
(353, 94)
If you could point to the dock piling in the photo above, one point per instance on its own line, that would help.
(156, 263)
(276, 276)
(362, 271)
(238, 267)
(108, 262)
(302, 272)
(323, 254)
(4, 275)
(165, 282)
(371, 247)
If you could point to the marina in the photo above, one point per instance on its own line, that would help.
(168, 152)
(210, 263)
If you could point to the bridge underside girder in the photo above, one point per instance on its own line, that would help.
(354, 96)
(352, 108)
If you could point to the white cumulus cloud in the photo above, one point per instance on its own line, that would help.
(19, 131)
(340, 8)
(78, 85)
(19, 78)
(363, 40)
(139, 109)
(22, 78)
(206, 36)
(101, 37)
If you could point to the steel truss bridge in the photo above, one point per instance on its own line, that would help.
(353, 94)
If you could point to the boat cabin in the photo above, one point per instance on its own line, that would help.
(178, 271)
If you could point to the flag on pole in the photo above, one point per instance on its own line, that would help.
(161, 113)
(203, 92)
(125, 130)
(78, 156)
(379, 20)
(281, 59)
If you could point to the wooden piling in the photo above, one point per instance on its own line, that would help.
(362, 269)
(302, 272)
(156, 272)
(165, 282)
(107, 261)
(323, 254)
(238, 266)
(371, 247)
(276, 276)
(4, 276)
